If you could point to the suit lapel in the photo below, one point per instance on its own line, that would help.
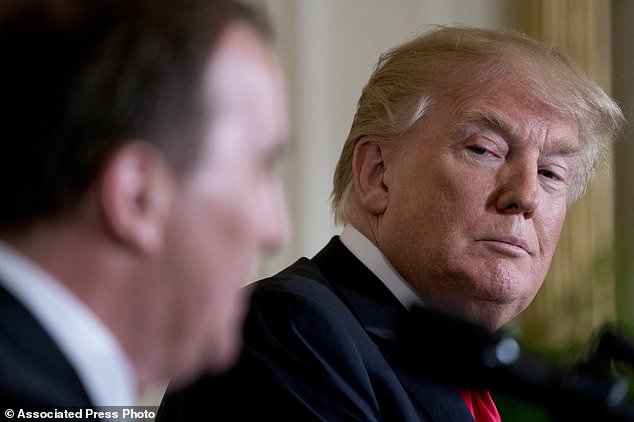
(34, 372)
(380, 312)
(445, 404)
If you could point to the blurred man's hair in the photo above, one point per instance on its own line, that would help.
(81, 77)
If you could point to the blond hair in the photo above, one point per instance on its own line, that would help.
(447, 61)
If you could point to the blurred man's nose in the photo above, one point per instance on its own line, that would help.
(276, 227)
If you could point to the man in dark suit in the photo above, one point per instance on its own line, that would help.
(136, 137)
(466, 151)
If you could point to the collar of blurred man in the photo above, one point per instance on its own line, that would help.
(92, 350)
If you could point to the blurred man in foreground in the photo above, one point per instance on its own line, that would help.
(140, 140)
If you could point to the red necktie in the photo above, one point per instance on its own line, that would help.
(481, 405)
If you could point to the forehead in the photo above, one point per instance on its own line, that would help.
(244, 82)
(241, 63)
(515, 115)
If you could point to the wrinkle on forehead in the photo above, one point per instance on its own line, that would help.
(514, 112)
(516, 132)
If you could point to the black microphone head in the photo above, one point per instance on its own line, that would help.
(451, 348)
(616, 346)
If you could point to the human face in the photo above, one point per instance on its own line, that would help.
(229, 209)
(477, 199)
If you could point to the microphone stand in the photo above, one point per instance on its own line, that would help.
(466, 355)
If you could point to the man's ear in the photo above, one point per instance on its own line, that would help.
(369, 169)
(135, 195)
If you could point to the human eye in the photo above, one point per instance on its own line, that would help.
(484, 147)
(553, 175)
(479, 150)
(548, 174)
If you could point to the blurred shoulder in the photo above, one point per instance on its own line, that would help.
(303, 278)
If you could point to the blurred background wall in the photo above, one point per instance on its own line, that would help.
(623, 90)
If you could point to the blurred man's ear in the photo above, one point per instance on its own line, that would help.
(369, 168)
(135, 191)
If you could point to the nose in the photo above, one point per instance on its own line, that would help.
(275, 226)
(518, 189)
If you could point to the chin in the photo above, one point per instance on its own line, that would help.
(223, 349)
(226, 355)
(491, 315)
(494, 316)
(219, 358)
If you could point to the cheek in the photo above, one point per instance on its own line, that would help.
(210, 261)
(548, 229)
(421, 229)
(210, 241)
(440, 211)
(235, 244)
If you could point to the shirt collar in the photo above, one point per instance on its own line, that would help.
(367, 252)
(89, 346)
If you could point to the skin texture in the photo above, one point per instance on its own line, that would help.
(469, 205)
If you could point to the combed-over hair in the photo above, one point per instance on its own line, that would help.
(447, 61)
(81, 77)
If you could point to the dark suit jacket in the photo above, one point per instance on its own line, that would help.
(33, 371)
(317, 348)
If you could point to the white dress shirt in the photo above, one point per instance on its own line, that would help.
(371, 257)
(89, 346)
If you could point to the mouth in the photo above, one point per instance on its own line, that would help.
(508, 244)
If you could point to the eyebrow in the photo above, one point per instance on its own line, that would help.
(497, 122)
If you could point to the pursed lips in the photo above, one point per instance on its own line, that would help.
(514, 241)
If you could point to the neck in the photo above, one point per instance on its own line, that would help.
(105, 278)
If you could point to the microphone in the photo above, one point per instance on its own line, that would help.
(460, 352)
(465, 355)
(614, 346)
